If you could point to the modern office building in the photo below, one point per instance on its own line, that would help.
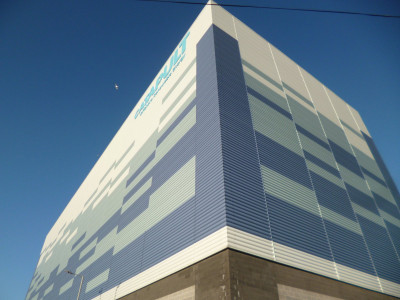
(238, 175)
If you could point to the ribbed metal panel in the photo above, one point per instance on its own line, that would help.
(380, 245)
(244, 196)
(210, 202)
(246, 151)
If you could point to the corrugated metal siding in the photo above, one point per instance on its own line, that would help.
(244, 197)
(248, 153)
(325, 148)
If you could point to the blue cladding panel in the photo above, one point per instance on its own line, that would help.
(386, 262)
(210, 202)
(282, 160)
(197, 218)
(321, 164)
(386, 206)
(99, 266)
(78, 241)
(167, 235)
(345, 158)
(269, 103)
(332, 196)
(385, 172)
(361, 199)
(136, 188)
(244, 193)
(349, 248)
(138, 207)
(140, 169)
(394, 234)
(296, 228)
(373, 176)
(229, 188)
(312, 137)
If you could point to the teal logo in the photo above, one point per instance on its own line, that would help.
(163, 77)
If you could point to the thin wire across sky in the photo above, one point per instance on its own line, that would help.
(278, 8)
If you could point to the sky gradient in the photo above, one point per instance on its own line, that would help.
(59, 109)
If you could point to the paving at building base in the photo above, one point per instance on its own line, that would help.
(234, 275)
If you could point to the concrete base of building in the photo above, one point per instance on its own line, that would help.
(234, 275)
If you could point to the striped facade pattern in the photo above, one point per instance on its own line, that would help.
(249, 152)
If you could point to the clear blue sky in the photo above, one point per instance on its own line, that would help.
(59, 61)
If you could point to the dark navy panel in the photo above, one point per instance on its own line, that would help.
(386, 262)
(311, 136)
(386, 206)
(361, 199)
(321, 164)
(332, 196)
(269, 102)
(385, 172)
(244, 193)
(349, 248)
(297, 228)
(345, 158)
(210, 199)
(282, 160)
(394, 232)
(135, 210)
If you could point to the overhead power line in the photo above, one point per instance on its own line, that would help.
(277, 8)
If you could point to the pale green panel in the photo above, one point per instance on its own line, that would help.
(325, 174)
(87, 249)
(353, 129)
(288, 190)
(306, 119)
(269, 82)
(266, 91)
(317, 150)
(102, 247)
(354, 180)
(340, 220)
(368, 163)
(143, 153)
(379, 189)
(104, 210)
(142, 174)
(335, 133)
(178, 189)
(368, 215)
(66, 286)
(176, 134)
(179, 98)
(390, 218)
(99, 279)
(137, 195)
(272, 124)
(48, 290)
(177, 82)
(188, 100)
